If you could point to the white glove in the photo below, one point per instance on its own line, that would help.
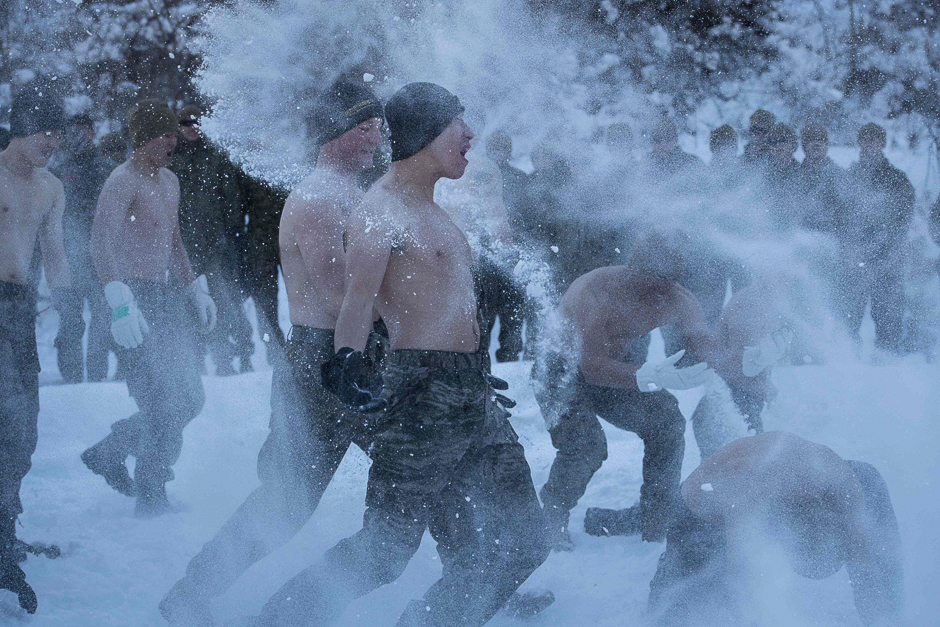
(205, 306)
(655, 377)
(127, 322)
(771, 349)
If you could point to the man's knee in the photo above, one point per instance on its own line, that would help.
(378, 554)
(580, 438)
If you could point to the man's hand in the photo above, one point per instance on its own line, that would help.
(352, 377)
(127, 322)
(655, 377)
(771, 349)
(199, 295)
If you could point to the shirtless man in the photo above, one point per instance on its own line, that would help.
(602, 312)
(135, 244)
(31, 206)
(444, 455)
(774, 493)
(310, 429)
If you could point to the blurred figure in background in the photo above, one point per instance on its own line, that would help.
(262, 205)
(761, 124)
(872, 233)
(821, 181)
(212, 225)
(668, 167)
(113, 147)
(781, 173)
(725, 168)
(83, 171)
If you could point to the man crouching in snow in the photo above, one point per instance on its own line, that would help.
(771, 499)
(602, 312)
(135, 244)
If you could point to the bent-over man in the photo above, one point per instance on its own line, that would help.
(136, 244)
(773, 493)
(602, 312)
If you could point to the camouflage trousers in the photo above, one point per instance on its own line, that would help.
(19, 401)
(163, 376)
(310, 432)
(445, 458)
(582, 445)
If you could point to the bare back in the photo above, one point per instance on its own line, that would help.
(135, 234)
(312, 248)
(767, 474)
(426, 296)
(29, 209)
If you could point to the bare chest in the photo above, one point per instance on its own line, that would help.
(154, 210)
(23, 206)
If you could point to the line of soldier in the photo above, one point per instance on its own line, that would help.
(425, 408)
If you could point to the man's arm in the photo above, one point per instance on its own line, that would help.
(107, 230)
(369, 249)
(51, 243)
(180, 268)
(694, 328)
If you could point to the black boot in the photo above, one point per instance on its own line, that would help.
(13, 578)
(102, 460)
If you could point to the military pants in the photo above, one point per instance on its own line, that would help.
(262, 273)
(231, 336)
(310, 431)
(68, 342)
(163, 376)
(884, 285)
(691, 583)
(19, 402)
(582, 446)
(446, 459)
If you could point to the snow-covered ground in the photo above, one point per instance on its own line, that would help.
(117, 568)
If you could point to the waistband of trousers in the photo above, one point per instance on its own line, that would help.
(310, 335)
(442, 360)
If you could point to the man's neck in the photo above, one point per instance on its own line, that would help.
(333, 164)
(413, 178)
(871, 158)
(142, 165)
(17, 163)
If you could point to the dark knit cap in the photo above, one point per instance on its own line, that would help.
(150, 119)
(35, 109)
(190, 113)
(762, 121)
(664, 131)
(872, 131)
(814, 133)
(341, 107)
(417, 114)
(721, 137)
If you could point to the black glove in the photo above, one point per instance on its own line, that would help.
(496, 383)
(353, 378)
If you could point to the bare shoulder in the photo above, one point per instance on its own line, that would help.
(379, 213)
(50, 183)
(167, 175)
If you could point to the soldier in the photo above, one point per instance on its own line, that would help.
(872, 232)
(602, 312)
(668, 164)
(136, 243)
(761, 124)
(444, 455)
(31, 206)
(310, 429)
(782, 177)
(777, 491)
(212, 222)
(822, 182)
(262, 204)
(83, 173)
